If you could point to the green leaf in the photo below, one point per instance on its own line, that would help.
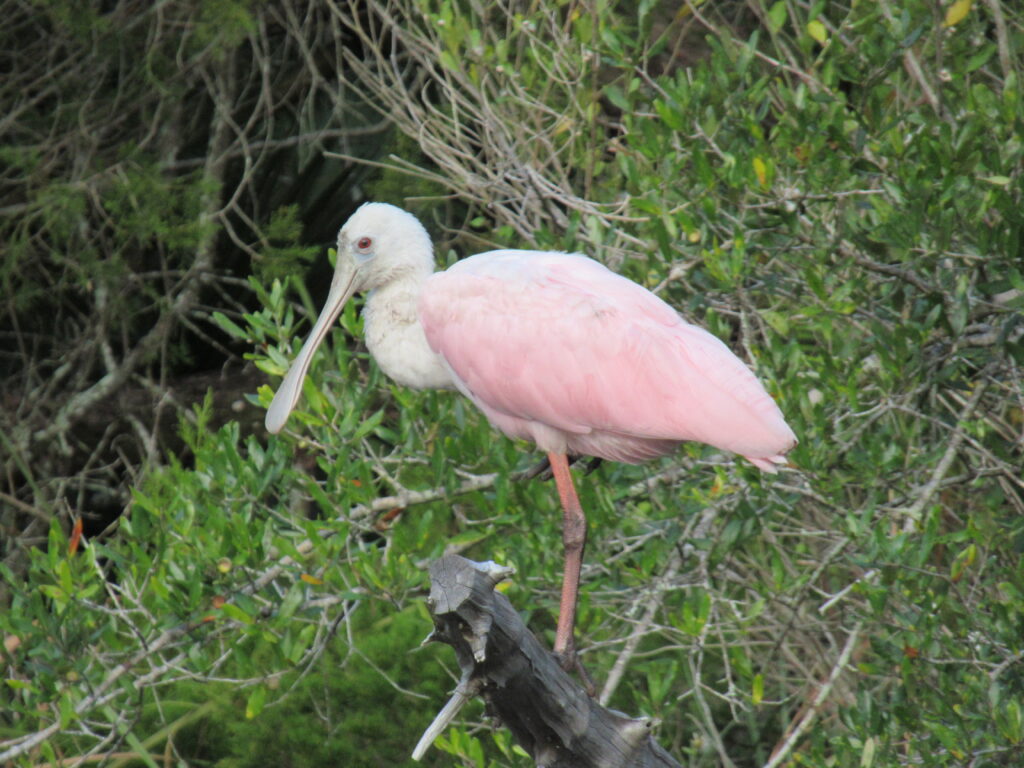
(140, 749)
(448, 61)
(818, 31)
(671, 116)
(867, 755)
(232, 611)
(67, 583)
(229, 327)
(20, 685)
(779, 321)
(982, 57)
(957, 12)
(777, 15)
(1012, 722)
(48, 753)
(615, 95)
(292, 600)
(368, 426)
(67, 709)
(254, 704)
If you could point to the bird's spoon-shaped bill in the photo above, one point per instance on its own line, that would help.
(342, 287)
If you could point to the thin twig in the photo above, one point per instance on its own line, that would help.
(781, 751)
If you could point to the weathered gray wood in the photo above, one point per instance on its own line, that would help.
(548, 713)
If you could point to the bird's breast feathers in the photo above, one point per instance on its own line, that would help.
(397, 342)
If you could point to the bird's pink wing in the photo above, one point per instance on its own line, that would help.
(561, 340)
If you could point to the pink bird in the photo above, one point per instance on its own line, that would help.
(554, 348)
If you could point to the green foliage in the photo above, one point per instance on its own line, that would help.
(223, 25)
(283, 256)
(188, 576)
(340, 708)
(343, 711)
(146, 207)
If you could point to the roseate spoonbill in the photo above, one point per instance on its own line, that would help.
(554, 348)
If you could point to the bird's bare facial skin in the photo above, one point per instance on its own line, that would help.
(363, 248)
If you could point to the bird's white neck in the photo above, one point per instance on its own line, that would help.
(395, 337)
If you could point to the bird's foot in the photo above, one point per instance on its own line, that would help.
(542, 469)
(570, 662)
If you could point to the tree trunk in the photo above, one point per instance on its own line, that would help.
(548, 713)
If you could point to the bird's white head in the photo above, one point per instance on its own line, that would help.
(378, 245)
(382, 243)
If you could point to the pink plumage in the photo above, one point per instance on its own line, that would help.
(557, 349)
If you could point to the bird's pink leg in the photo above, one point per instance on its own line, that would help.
(574, 536)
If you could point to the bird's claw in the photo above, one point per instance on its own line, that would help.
(570, 662)
(542, 469)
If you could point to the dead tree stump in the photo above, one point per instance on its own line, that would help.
(548, 713)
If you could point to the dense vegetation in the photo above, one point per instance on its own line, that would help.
(834, 188)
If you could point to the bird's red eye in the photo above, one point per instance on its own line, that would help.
(364, 243)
